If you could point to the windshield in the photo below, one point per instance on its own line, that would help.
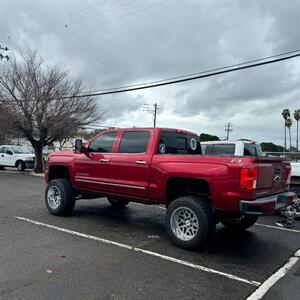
(18, 150)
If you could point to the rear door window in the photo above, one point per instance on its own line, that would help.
(178, 143)
(134, 142)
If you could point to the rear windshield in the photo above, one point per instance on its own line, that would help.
(220, 149)
(178, 143)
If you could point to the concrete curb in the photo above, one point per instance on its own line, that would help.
(37, 174)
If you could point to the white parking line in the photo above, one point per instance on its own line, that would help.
(165, 257)
(262, 290)
(277, 227)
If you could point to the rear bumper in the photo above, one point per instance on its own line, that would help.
(267, 205)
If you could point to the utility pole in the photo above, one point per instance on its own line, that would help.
(152, 108)
(228, 128)
(4, 56)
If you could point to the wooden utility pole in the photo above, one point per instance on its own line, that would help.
(228, 128)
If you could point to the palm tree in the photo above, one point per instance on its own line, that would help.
(285, 114)
(288, 124)
(297, 118)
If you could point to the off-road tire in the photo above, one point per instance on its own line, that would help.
(67, 200)
(201, 211)
(238, 223)
(117, 203)
(20, 165)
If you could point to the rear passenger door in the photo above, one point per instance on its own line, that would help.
(129, 167)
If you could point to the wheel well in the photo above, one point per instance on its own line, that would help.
(177, 187)
(59, 172)
(18, 161)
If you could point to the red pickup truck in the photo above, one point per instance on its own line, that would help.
(166, 166)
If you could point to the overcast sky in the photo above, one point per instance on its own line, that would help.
(114, 43)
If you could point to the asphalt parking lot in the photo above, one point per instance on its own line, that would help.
(104, 253)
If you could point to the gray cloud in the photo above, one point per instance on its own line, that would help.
(173, 38)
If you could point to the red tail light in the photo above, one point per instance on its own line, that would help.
(248, 178)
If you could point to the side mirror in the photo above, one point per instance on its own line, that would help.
(78, 146)
(9, 152)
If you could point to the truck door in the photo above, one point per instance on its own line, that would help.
(7, 157)
(130, 167)
(91, 168)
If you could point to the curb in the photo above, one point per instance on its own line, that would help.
(37, 174)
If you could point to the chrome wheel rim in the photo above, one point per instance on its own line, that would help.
(184, 223)
(54, 197)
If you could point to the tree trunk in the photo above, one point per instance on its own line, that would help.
(39, 161)
(297, 137)
(285, 137)
(290, 139)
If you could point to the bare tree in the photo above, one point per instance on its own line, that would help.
(31, 104)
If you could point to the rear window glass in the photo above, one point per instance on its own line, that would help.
(178, 143)
(220, 149)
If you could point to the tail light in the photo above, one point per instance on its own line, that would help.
(248, 178)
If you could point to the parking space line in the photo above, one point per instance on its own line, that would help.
(262, 290)
(165, 257)
(277, 227)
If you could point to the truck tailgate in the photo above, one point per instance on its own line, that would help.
(273, 175)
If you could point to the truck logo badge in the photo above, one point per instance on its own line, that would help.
(193, 144)
(277, 178)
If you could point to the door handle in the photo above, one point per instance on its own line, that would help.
(141, 162)
(104, 160)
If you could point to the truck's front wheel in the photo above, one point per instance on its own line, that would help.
(190, 222)
(60, 197)
(238, 223)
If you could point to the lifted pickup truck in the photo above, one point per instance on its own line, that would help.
(165, 166)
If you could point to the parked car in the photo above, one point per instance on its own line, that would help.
(165, 166)
(232, 148)
(16, 156)
(295, 179)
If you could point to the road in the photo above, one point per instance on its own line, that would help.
(104, 253)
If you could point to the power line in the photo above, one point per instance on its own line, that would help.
(169, 82)
(55, 20)
(102, 23)
(67, 25)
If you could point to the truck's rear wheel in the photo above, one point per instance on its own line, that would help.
(60, 197)
(117, 202)
(238, 223)
(20, 165)
(190, 221)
